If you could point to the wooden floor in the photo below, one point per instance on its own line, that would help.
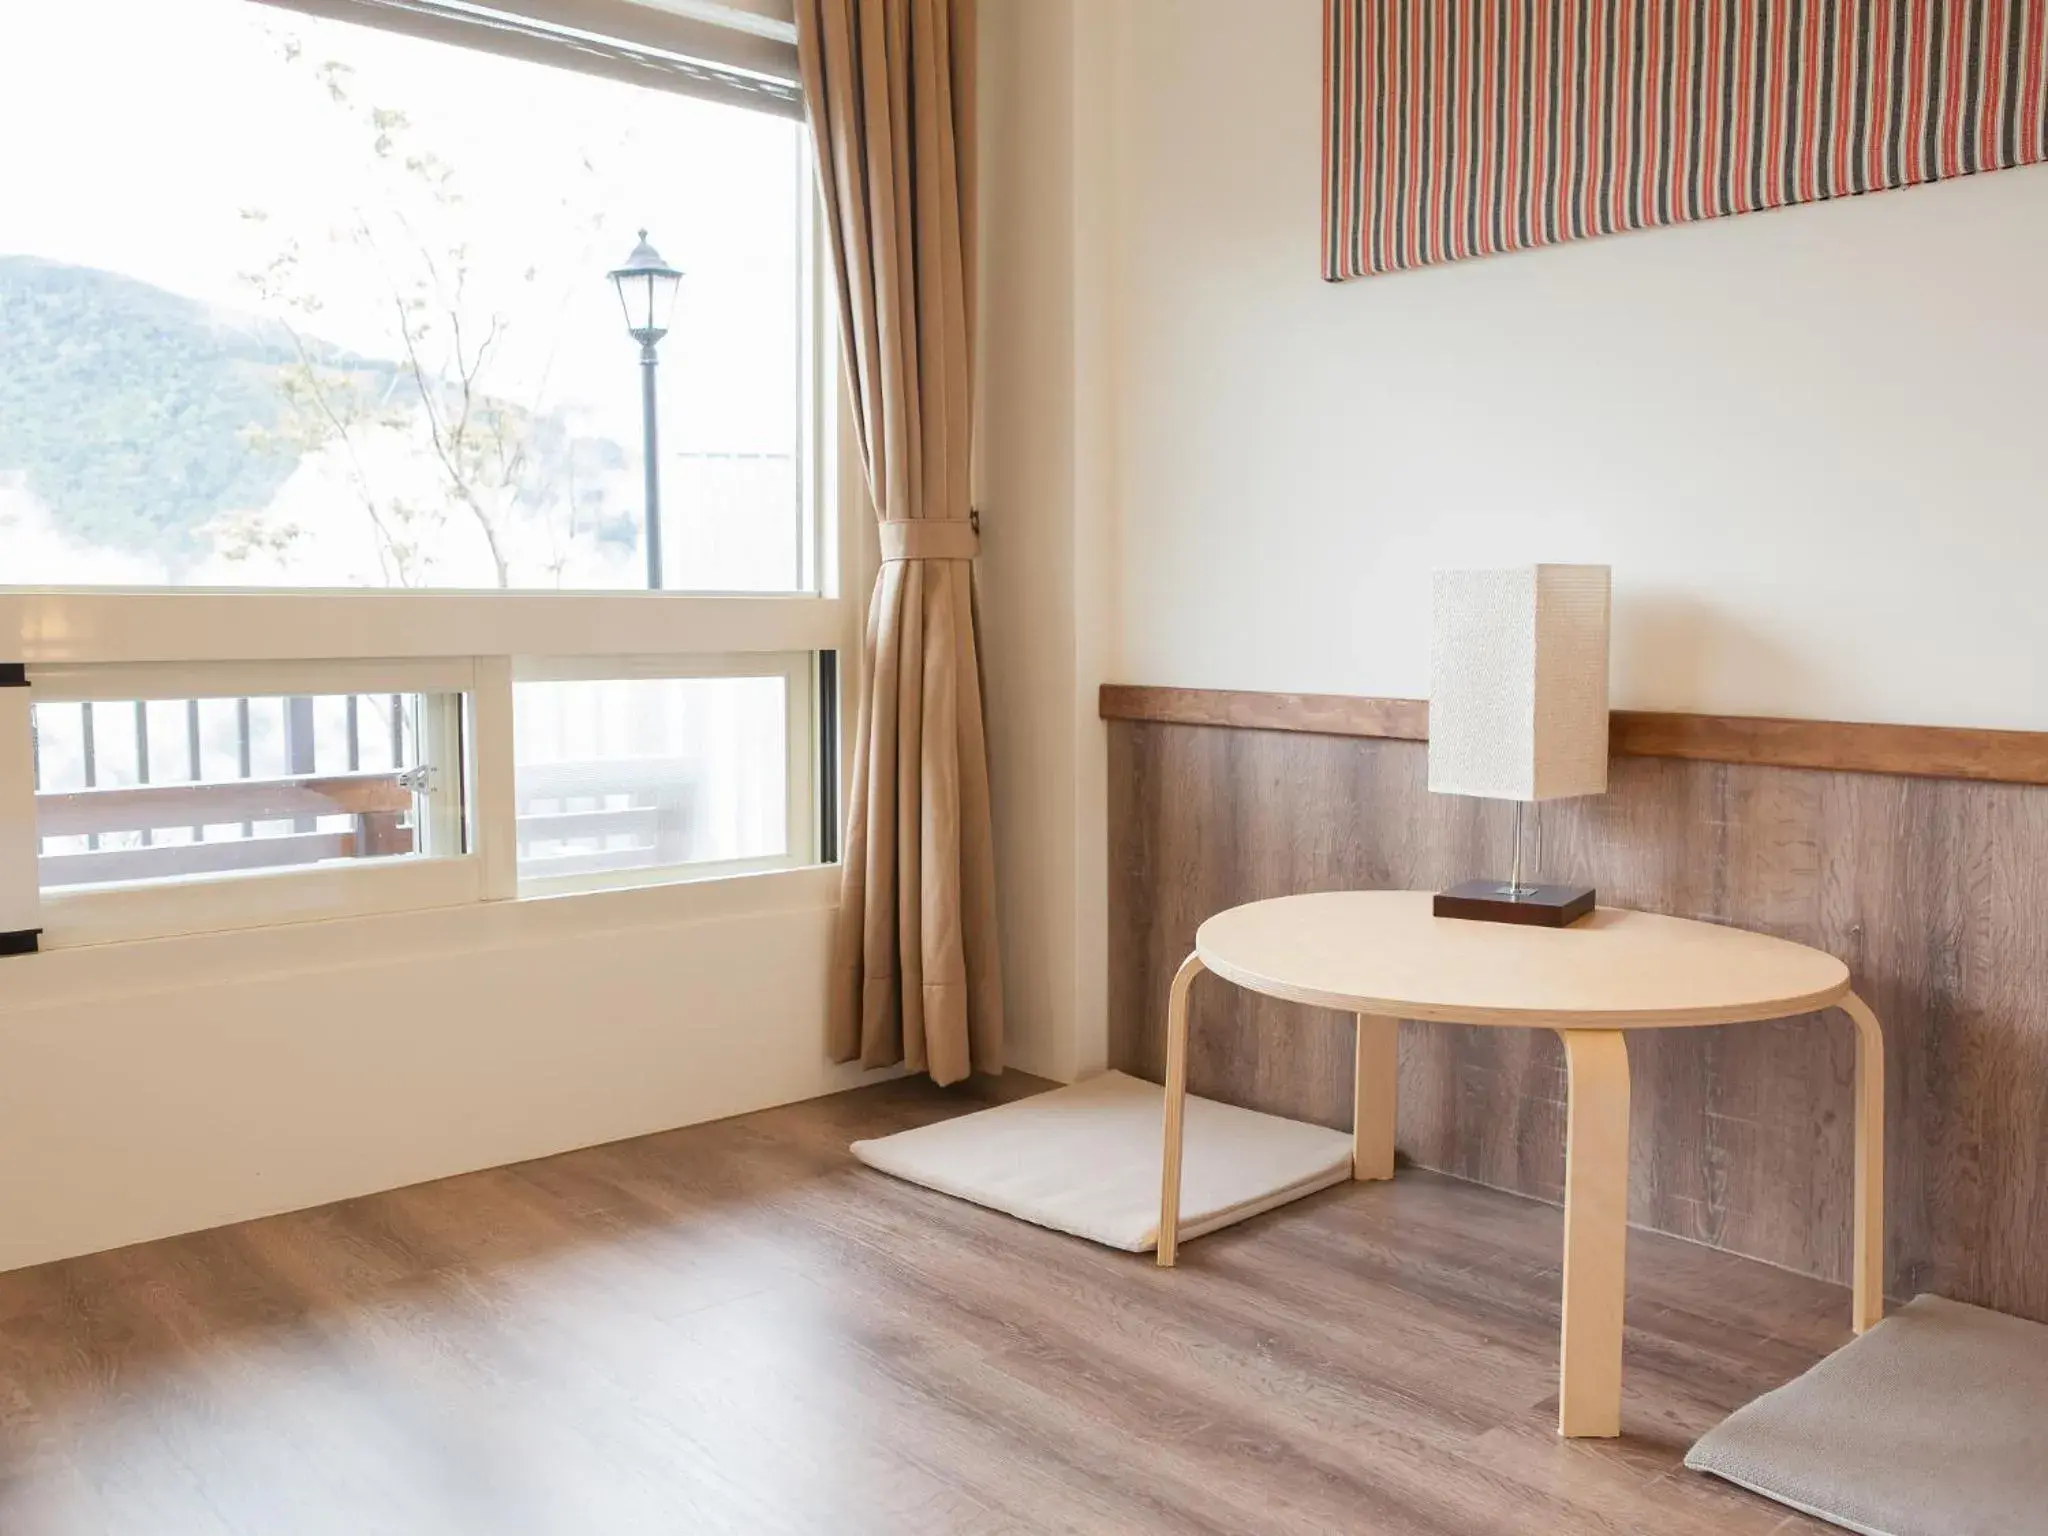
(735, 1328)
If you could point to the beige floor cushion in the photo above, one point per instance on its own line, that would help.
(1085, 1160)
(1934, 1423)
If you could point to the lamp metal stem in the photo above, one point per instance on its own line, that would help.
(653, 466)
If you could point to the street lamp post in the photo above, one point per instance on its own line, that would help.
(647, 292)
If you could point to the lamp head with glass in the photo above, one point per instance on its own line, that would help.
(647, 292)
(1518, 712)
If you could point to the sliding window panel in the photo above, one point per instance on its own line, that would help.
(369, 339)
(663, 771)
(180, 809)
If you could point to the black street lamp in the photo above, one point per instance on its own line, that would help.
(647, 292)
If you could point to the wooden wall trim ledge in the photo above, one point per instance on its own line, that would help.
(1913, 751)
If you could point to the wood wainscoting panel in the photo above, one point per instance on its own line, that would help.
(1920, 751)
(1935, 891)
(1327, 714)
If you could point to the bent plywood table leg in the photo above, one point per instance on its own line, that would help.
(1176, 1104)
(1595, 1232)
(1867, 1263)
(1375, 1072)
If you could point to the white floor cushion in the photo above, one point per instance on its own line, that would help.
(1085, 1160)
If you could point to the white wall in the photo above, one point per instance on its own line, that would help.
(1812, 443)
(148, 1089)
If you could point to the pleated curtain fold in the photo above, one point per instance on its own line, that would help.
(889, 86)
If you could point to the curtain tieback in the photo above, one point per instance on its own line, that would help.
(930, 538)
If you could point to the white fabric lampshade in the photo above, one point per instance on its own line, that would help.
(1518, 682)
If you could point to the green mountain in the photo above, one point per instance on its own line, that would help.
(138, 415)
(128, 408)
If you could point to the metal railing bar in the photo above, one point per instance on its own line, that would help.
(655, 776)
(300, 750)
(90, 749)
(571, 826)
(142, 753)
(242, 758)
(192, 757)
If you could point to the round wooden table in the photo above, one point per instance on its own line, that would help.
(1383, 956)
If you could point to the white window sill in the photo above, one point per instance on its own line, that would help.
(101, 972)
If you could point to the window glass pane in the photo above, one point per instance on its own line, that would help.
(646, 774)
(321, 305)
(171, 788)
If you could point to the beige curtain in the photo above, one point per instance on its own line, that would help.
(890, 89)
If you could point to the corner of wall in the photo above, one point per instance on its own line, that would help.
(1099, 46)
(1044, 478)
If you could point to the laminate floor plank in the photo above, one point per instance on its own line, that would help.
(738, 1328)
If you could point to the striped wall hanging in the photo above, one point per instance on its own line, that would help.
(1459, 128)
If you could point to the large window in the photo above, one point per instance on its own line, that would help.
(327, 458)
(286, 301)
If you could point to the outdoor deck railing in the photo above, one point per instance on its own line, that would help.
(574, 818)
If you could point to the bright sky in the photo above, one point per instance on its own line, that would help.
(138, 133)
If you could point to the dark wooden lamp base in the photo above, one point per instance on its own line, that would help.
(1495, 901)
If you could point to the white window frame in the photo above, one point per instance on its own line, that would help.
(798, 671)
(742, 52)
(211, 903)
(192, 642)
(81, 645)
(182, 643)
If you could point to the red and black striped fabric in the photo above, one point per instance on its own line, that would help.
(1459, 128)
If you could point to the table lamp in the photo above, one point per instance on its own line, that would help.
(1518, 711)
